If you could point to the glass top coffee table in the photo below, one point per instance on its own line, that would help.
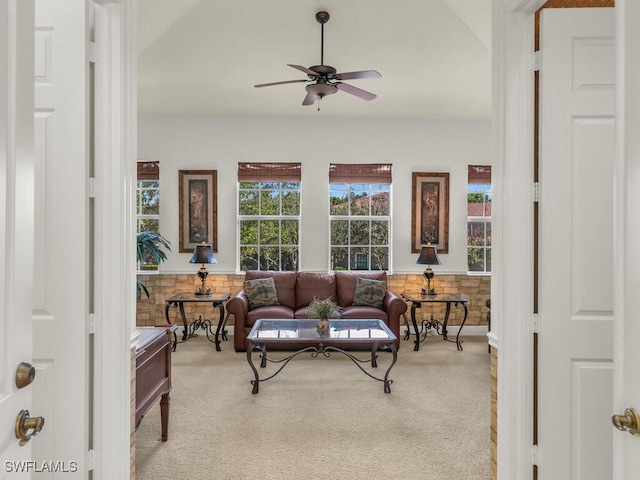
(303, 336)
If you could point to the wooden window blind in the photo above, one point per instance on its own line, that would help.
(479, 175)
(360, 173)
(148, 170)
(269, 172)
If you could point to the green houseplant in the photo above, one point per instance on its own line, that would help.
(149, 245)
(324, 309)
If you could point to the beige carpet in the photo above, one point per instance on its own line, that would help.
(323, 417)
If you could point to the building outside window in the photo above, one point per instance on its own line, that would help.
(479, 219)
(148, 205)
(269, 216)
(360, 216)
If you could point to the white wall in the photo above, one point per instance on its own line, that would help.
(190, 143)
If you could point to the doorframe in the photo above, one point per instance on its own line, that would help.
(626, 230)
(512, 283)
(115, 151)
(513, 114)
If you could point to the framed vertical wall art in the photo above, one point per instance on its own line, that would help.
(197, 194)
(430, 211)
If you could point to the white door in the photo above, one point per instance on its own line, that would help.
(576, 249)
(16, 227)
(61, 286)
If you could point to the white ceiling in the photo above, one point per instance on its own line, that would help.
(203, 57)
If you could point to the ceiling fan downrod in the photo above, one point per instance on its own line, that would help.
(322, 18)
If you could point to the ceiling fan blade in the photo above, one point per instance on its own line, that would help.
(279, 83)
(310, 99)
(309, 72)
(358, 92)
(355, 75)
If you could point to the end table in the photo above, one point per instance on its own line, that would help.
(216, 299)
(416, 302)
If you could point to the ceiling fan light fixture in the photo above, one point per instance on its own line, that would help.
(321, 89)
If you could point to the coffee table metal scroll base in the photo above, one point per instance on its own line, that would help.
(325, 350)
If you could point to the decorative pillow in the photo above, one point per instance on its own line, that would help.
(369, 293)
(261, 292)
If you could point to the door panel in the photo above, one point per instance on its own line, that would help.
(16, 225)
(61, 251)
(576, 300)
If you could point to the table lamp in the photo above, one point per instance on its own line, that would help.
(203, 253)
(428, 256)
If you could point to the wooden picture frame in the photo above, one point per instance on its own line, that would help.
(430, 211)
(198, 214)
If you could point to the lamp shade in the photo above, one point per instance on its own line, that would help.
(203, 253)
(428, 256)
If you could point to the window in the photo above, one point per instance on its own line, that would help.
(269, 216)
(148, 204)
(479, 219)
(359, 216)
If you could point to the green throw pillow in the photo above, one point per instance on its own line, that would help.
(369, 293)
(261, 292)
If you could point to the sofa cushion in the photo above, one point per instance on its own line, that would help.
(314, 285)
(261, 292)
(369, 293)
(349, 313)
(346, 284)
(277, 311)
(285, 284)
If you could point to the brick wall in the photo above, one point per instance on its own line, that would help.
(151, 311)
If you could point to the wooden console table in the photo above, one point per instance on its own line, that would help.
(153, 373)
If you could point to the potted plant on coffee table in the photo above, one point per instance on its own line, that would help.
(324, 309)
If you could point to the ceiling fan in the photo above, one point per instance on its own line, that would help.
(324, 77)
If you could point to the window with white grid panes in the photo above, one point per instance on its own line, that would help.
(359, 218)
(479, 219)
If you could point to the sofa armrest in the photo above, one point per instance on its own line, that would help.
(238, 305)
(395, 306)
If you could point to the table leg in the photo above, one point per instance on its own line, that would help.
(174, 343)
(458, 341)
(256, 381)
(374, 356)
(222, 321)
(407, 332)
(446, 321)
(185, 332)
(387, 382)
(415, 305)
(165, 402)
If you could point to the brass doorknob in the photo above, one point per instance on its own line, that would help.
(27, 427)
(25, 373)
(629, 422)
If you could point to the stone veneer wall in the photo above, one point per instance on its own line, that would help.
(476, 289)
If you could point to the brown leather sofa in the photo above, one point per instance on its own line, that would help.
(295, 290)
